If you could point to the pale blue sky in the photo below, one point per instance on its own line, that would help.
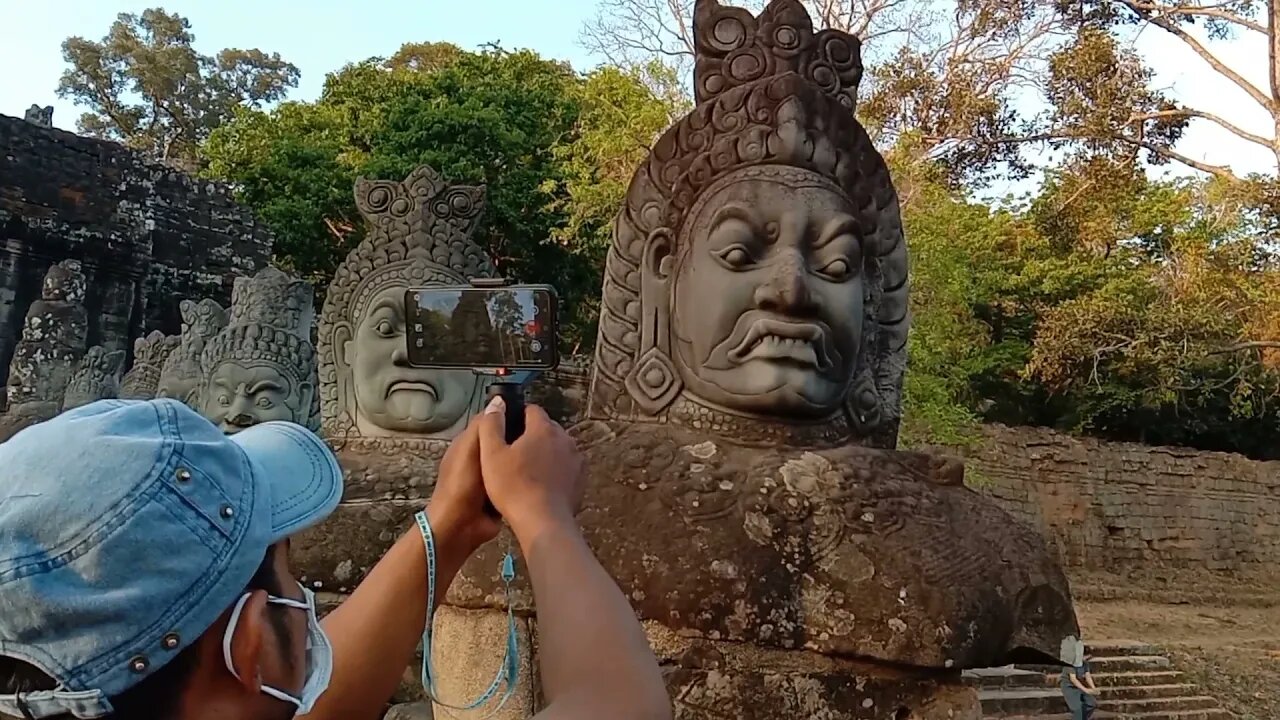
(322, 35)
(318, 36)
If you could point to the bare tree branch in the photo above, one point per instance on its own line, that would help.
(1142, 10)
(1221, 121)
(1214, 11)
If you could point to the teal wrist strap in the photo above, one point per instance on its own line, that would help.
(508, 674)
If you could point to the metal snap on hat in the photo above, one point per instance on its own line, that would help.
(127, 528)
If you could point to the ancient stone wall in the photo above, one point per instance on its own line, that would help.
(146, 235)
(1120, 507)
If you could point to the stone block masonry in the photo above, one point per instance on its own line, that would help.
(1120, 507)
(146, 235)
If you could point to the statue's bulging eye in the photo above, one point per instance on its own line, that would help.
(736, 256)
(838, 269)
(264, 403)
(385, 328)
(224, 401)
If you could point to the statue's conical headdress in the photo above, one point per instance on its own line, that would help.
(771, 94)
(272, 316)
(419, 234)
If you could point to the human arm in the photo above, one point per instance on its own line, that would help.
(593, 654)
(375, 632)
(1088, 680)
(1075, 680)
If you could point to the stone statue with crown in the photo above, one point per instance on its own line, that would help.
(96, 378)
(743, 413)
(419, 234)
(182, 375)
(149, 355)
(49, 351)
(262, 365)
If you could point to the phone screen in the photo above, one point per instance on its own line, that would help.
(513, 327)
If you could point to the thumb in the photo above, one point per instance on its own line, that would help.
(493, 426)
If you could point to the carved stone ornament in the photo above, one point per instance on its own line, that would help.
(149, 355)
(757, 281)
(262, 365)
(419, 234)
(52, 343)
(182, 374)
(42, 116)
(96, 378)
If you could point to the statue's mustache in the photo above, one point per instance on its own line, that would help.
(756, 324)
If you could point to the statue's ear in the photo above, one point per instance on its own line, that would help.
(658, 256)
(306, 397)
(343, 345)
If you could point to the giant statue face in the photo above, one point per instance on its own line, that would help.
(391, 396)
(240, 395)
(767, 298)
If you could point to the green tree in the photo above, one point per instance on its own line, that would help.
(147, 87)
(554, 149)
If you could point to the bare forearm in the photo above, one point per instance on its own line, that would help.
(594, 657)
(375, 632)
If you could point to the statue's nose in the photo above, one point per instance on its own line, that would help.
(243, 420)
(787, 288)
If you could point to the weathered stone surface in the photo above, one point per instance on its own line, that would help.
(469, 647)
(849, 551)
(52, 343)
(410, 711)
(97, 377)
(420, 234)
(149, 356)
(143, 233)
(1122, 507)
(262, 365)
(714, 680)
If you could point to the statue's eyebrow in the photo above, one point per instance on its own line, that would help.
(837, 227)
(264, 385)
(737, 212)
(387, 303)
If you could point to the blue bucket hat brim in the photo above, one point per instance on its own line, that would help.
(302, 474)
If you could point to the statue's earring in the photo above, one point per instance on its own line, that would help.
(865, 408)
(653, 381)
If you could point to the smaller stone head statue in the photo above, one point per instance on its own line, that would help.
(96, 378)
(64, 283)
(149, 355)
(758, 273)
(182, 374)
(42, 116)
(419, 234)
(262, 366)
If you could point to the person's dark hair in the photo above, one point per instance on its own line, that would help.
(156, 697)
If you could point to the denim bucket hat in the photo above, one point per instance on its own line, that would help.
(128, 527)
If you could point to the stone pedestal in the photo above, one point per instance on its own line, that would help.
(469, 647)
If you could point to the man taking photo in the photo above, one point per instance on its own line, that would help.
(144, 573)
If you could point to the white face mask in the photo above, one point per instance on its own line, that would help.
(319, 652)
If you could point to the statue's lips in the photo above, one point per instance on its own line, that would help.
(773, 339)
(413, 386)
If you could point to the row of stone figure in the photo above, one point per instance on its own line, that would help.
(262, 345)
(260, 359)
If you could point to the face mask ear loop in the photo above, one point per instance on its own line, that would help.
(23, 707)
(231, 631)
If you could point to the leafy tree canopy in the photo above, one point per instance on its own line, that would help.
(147, 87)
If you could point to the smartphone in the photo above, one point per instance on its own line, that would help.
(513, 327)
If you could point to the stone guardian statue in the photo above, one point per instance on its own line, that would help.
(182, 374)
(262, 365)
(149, 355)
(744, 408)
(419, 234)
(96, 378)
(52, 344)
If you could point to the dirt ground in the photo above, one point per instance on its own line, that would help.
(1232, 653)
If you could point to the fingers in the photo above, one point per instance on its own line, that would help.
(492, 425)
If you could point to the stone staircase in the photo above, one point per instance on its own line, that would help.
(1136, 681)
